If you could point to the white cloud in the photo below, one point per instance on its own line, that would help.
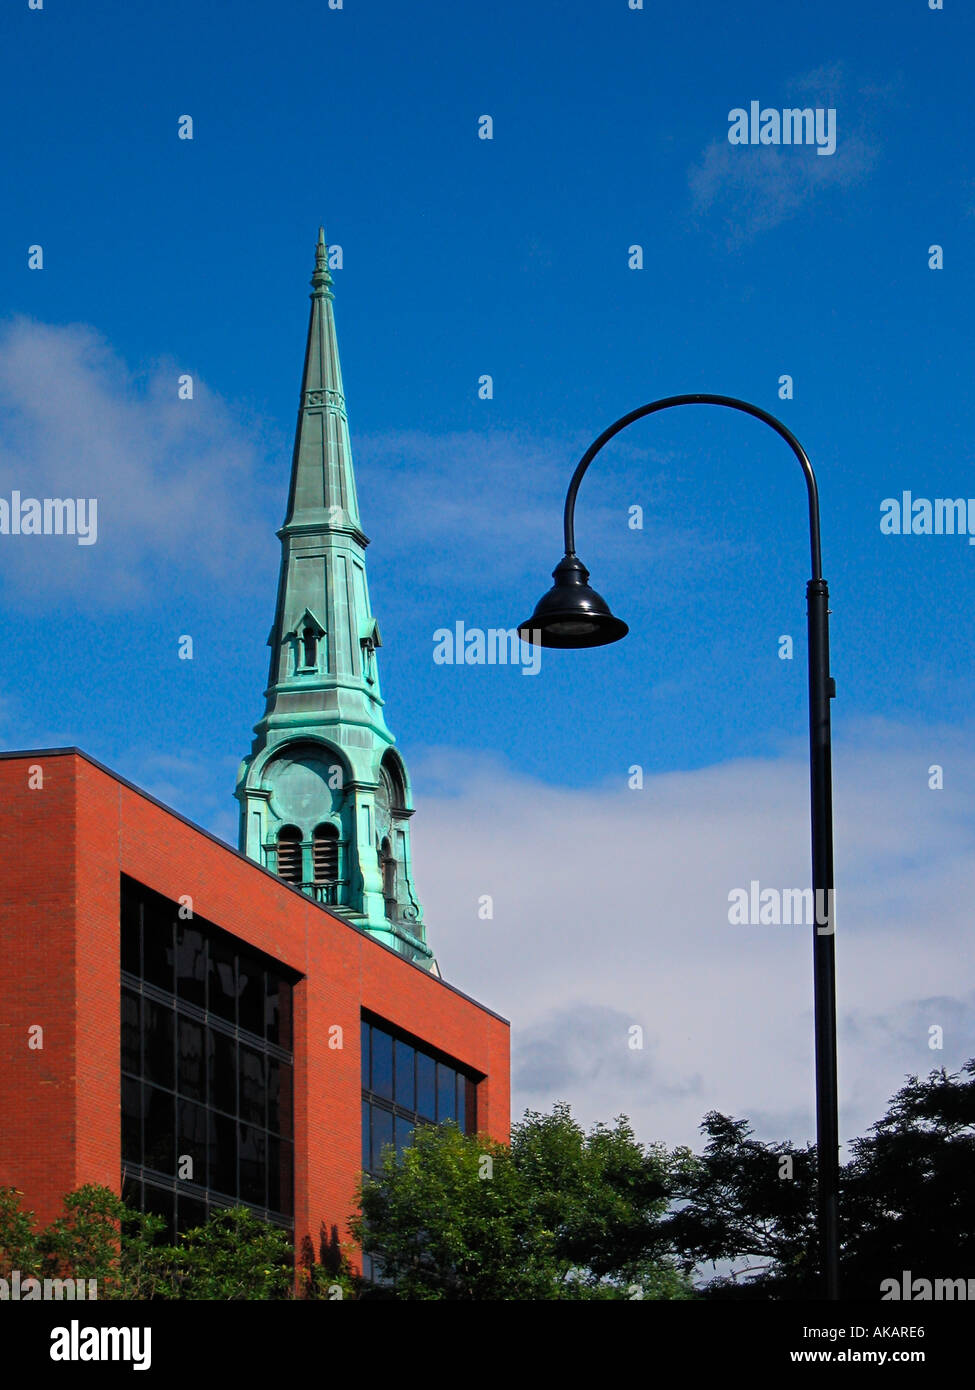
(755, 188)
(610, 909)
(177, 482)
(468, 506)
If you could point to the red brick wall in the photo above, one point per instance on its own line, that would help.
(63, 850)
(38, 1090)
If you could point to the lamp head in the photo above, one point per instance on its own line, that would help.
(571, 614)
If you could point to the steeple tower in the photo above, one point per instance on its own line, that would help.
(324, 796)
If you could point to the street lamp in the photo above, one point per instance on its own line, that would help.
(572, 614)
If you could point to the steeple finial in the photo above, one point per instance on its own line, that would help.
(321, 280)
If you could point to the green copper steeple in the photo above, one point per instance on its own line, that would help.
(324, 796)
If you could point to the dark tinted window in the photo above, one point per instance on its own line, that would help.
(382, 1133)
(157, 952)
(403, 1086)
(160, 1130)
(404, 1075)
(426, 1086)
(207, 1085)
(191, 964)
(159, 1043)
(191, 1142)
(382, 1065)
(222, 1071)
(250, 979)
(131, 1120)
(190, 1068)
(253, 1164)
(131, 1032)
(364, 1052)
(253, 1085)
(446, 1093)
(223, 1153)
(277, 1010)
(222, 981)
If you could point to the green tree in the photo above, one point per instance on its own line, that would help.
(561, 1214)
(235, 1255)
(98, 1236)
(18, 1241)
(906, 1199)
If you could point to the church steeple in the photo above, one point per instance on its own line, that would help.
(324, 796)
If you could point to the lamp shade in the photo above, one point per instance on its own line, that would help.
(571, 614)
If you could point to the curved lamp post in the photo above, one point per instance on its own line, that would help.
(571, 614)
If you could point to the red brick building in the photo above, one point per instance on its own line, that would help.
(77, 844)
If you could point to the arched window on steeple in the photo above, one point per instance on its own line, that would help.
(309, 647)
(289, 854)
(325, 856)
(387, 863)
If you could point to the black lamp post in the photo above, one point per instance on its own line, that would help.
(571, 614)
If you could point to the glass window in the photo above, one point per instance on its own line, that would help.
(158, 955)
(131, 1032)
(222, 981)
(382, 1133)
(191, 1079)
(191, 1142)
(405, 1086)
(382, 1064)
(364, 1051)
(223, 1153)
(191, 964)
(277, 1010)
(159, 1151)
(280, 1174)
(131, 1120)
(446, 1093)
(222, 1071)
(159, 1038)
(404, 1133)
(253, 1086)
(253, 1165)
(207, 1120)
(251, 995)
(280, 1119)
(426, 1086)
(131, 930)
(404, 1075)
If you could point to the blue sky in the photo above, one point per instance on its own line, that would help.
(507, 257)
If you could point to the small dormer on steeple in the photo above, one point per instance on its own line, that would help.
(306, 637)
(324, 795)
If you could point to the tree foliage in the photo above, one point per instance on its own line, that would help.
(97, 1236)
(561, 1214)
(906, 1199)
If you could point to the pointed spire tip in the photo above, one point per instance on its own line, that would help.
(321, 279)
